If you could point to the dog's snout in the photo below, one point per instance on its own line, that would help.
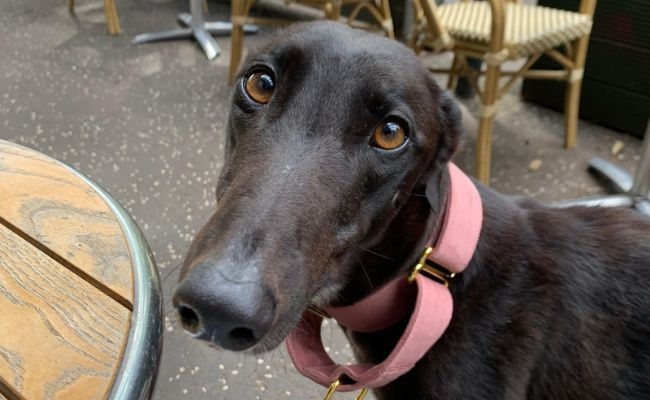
(230, 314)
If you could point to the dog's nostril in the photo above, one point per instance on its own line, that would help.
(189, 319)
(242, 336)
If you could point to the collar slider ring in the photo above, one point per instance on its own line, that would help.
(332, 389)
(432, 270)
(334, 385)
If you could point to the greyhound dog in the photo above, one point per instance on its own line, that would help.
(336, 173)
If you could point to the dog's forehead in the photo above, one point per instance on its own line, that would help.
(331, 49)
(351, 79)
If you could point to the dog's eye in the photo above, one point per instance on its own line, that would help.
(388, 136)
(259, 86)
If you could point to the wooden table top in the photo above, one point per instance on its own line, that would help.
(66, 282)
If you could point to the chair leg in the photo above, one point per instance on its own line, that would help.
(387, 23)
(333, 12)
(329, 10)
(572, 94)
(237, 47)
(112, 20)
(571, 106)
(452, 81)
(238, 15)
(484, 140)
(415, 41)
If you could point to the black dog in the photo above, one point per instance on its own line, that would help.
(333, 137)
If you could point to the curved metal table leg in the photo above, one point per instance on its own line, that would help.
(207, 42)
(216, 27)
(179, 33)
(615, 176)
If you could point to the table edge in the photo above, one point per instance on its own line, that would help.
(141, 358)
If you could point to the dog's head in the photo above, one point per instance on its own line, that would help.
(333, 134)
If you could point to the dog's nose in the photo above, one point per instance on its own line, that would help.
(233, 315)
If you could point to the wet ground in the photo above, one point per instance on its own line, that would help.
(147, 123)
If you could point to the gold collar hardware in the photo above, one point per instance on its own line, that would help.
(431, 269)
(334, 385)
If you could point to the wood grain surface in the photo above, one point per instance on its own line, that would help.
(42, 198)
(61, 337)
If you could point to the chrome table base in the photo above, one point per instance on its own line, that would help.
(197, 27)
(630, 192)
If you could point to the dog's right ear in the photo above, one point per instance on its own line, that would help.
(449, 127)
(446, 127)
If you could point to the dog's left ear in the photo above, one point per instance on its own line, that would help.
(449, 127)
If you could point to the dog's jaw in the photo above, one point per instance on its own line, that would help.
(324, 296)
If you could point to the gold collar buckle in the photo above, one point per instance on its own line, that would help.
(334, 385)
(431, 269)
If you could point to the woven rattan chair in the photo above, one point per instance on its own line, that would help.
(379, 10)
(112, 20)
(499, 30)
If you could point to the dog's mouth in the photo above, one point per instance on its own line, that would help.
(251, 306)
(286, 322)
(223, 323)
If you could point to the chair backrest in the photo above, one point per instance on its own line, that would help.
(440, 36)
(438, 33)
(442, 40)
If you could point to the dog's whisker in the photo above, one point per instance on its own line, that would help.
(376, 254)
(356, 245)
(365, 272)
(172, 270)
(363, 268)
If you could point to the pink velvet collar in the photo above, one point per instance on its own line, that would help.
(430, 305)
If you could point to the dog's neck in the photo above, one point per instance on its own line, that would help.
(424, 298)
(405, 239)
(500, 215)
